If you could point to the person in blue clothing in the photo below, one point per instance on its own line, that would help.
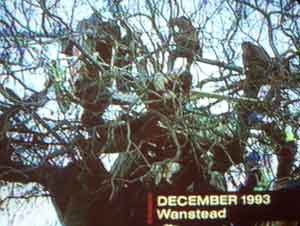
(253, 174)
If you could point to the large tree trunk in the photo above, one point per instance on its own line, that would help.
(82, 199)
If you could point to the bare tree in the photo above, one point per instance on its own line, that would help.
(81, 80)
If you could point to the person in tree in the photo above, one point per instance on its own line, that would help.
(253, 174)
(186, 41)
(286, 157)
(92, 83)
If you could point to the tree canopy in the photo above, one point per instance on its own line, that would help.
(191, 95)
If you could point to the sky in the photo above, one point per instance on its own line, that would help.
(30, 212)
